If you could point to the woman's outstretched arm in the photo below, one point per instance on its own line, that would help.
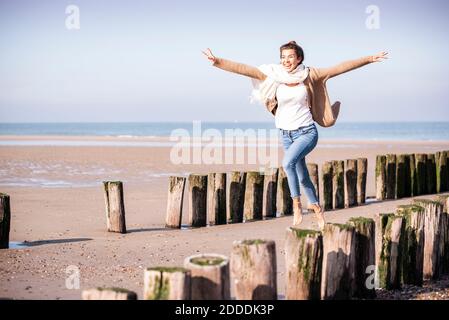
(234, 67)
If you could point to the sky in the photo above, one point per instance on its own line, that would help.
(139, 61)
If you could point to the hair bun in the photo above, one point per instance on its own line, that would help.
(292, 42)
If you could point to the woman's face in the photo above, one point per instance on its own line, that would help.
(289, 59)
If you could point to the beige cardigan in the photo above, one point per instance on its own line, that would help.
(323, 112)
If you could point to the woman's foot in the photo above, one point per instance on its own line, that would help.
(319, 215)
(297, 211)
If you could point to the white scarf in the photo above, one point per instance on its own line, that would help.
(264, 91)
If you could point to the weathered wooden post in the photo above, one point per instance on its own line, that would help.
(166, 283)
(365, 256)
(350, 190)
(421, 170)
(413, 244)
(433, 238)
(338, 184)
(381, 176)
(431, 174)
(413, 177)
(388, 250)
(327, 177)
(252, 209)
(338, 276)
(209, 276)
(303, 261)
(444, 200)
(402, 177)
(442, 171)
(391, 176)
(236, 196)
(312, 168)
(362, 170)
(197, 200)
(115, 206)
(269, 192)
(253, 269)
(108, 294)
(284, 203)
(5, 220)
(216, 198)
(175, 197)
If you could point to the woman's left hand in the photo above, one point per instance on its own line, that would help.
(380, 56)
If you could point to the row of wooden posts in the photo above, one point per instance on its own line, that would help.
(344, 261)
(407, 175)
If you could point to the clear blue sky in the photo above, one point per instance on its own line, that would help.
(141, 60)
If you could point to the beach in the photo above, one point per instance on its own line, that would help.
(58, 211)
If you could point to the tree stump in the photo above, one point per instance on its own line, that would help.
(362, 170)
(421, 171)
(5, 220)
(381, 176)
(327, 177)
(312, 168)
(197, 200)
(284, 203)
(209, 276)
(442, 171)
(108, 294)
(365, 256)
(388, 250)
(253, 270)
(269, 192)
(402, 177)
(338, 184)
(350, 190)
(236, 196)
(413, 244)
(303, 261)
(391, 176)
(164, 283)
(431, 174)
(252, 209)
(115, 206)
(216, 198)
(175, 197)
(338, 276)
(413, 177)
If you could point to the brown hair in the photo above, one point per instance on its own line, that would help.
(293, 45)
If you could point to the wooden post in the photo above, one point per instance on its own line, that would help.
(388, 250)
(338, 184)
(252, 209)
(431, 174)
(164, 283)
(327, 177)
(362, 169)
(108, 294)
(312, 168)
(421, 170)
(236, 196)
(175, 197)
(401, 177)
(413, 176)
(381, 176)
(338, 276)
(115, 206)
(303, 261)
(253, 270)
(391, 176)
(350, 190)
(197, 200)
(433, 238)
(444, 200)
(209, 276)
(284, 203)
(413, 244)
(216, 198)
(365, 255)
(5, 220)
(269, 192)
(442, 171)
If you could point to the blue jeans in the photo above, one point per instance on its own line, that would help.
(297, 144)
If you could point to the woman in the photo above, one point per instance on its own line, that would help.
(298, 98)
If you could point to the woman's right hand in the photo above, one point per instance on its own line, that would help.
(209, 55)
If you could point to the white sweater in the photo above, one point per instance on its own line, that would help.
(293, 107)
